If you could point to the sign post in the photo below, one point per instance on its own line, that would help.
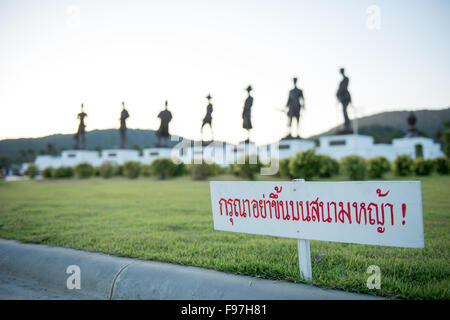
(304, 259)
(304, 254)
(385, 213)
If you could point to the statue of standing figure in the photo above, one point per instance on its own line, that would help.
(163, 131)
(345, 99)
(81, 133)
(412, 130)
(123, 126)
(295, 102)
(246, 113)
(208, 117)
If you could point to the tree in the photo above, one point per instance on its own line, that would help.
(31, 153)
(447, 143)
(304, 165)
(5, 162)
(51, 149)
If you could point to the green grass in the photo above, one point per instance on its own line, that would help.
(171, 221)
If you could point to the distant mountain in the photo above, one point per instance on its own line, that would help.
(383, 127)
(26, 148)
(387, 125)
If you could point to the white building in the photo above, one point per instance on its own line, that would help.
(224, 154)
(340, 146)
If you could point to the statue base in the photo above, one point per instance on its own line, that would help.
(150, 154)
(339, 146)
(206, 143)
(119, 156)
(291, 137)
(289, 147)
(68, 158)
(71, 158)
(409, 145)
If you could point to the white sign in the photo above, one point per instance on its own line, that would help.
(387, 213)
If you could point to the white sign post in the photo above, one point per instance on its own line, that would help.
(304, 254)
(385, 213)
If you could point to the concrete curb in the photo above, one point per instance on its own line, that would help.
(46, 266)
(108, 277)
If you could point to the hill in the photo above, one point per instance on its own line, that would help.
(25, 149)
(382, 126)
(387, 125)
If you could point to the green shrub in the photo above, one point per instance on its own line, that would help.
(180, 170)
(146, 170)
(245, 169)
(354, 167)
(131, 169)
(62, 172)
(403, 165)
(84, 170)
(32, 170)
(216, 169)
(378, 166)
(47, 173)
(283, 170)
(107, 170)
(162, 168)
(446, 138)
(327, 166)
(118, 170)
(201, 171)
(96, 171)
(442, 165)
(422, 167)
(204, 170)
(304, 165)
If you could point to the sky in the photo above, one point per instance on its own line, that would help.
(56, 54)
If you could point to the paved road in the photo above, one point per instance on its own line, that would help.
(43, 272)
(14, 289)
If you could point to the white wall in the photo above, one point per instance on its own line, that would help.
(225, 154)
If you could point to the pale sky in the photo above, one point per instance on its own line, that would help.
(56, 54)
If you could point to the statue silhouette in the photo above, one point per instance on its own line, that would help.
(163, 131)
(81, 133)
(295, 102)
(412, 130)
(246, 113)
(123, 126)
(208, 117)
(345, 99)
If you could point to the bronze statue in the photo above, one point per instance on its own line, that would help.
(81, 133)
(246, 113)
(163, 131)
(123, 126)
(208, 117)
(412, 130)
(295, 102)
(345, 99)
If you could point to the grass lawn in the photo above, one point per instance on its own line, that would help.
(171, 221)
